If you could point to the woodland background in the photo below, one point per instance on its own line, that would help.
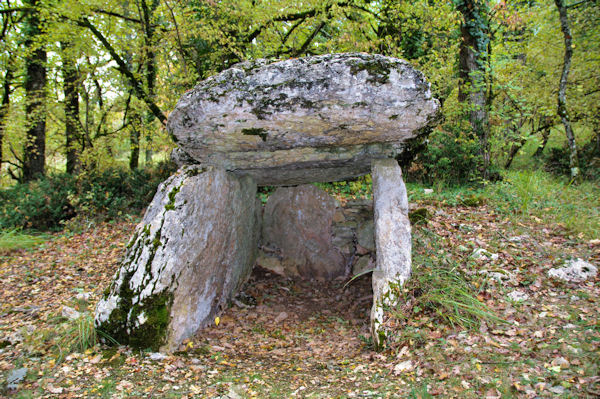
(504, 190)
(87, 85)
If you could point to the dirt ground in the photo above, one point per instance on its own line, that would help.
(292, 338)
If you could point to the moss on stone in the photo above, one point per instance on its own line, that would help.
(122, 324)
(153, 332)
(260, 132)
(378, 70)
(191, 172)
(171, 205)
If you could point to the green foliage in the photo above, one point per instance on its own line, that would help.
(439, 289)
(50, 201)
(557, 161)
(450, 157)
(15, 239)
(40, 204)
(360, 187)
(540, 195)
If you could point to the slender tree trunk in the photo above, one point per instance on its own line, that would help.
(562, 87)
(8, 77)
(150, 70)
(34, 157)
(72, 124)
(545, 136)
(472, 73)
(134, 138)
(513, 152)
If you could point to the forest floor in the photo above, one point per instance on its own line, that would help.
(308, 339)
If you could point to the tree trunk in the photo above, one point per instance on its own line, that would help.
(134, 138)
(34, 156)
(544, 126)
(150, 70)
(8, 77)
(562, 87)
(72, 124)
(472, 73)
(513, 152)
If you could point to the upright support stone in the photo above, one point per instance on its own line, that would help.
(192, 251)
(392, 241)
(298, 223)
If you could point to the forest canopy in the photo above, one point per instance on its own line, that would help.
(88, 85)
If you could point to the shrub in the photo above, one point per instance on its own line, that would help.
(49, 201)
(450, 157)
(557, 161)
(39, 204)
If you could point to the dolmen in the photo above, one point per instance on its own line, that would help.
(289, 123)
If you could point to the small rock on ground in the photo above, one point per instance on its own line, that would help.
(15, 377)
(518, 296)
(575, 270)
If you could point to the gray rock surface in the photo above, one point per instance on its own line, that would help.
(15, 377)
(70, 313)
(392, 241)
(297, 222)
(191, 252)
(303, 120)
(274, 265)
(575, 270)
(363, 265)
(365, 235)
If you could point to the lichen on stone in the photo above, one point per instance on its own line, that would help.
(378, 71)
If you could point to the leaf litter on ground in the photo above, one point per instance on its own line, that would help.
(310, 339)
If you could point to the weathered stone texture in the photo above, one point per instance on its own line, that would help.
(297, 223)
(347, 220)
(392, 241)
(191, 252)
(303, 120)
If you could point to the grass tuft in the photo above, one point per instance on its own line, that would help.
(15, 239)
(540, 195)
(438, 290)
(77, 335)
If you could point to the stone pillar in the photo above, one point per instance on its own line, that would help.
(392, 241)
(298, 224)
(191, 252)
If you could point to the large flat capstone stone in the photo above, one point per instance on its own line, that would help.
(322, 118)
(192, 251)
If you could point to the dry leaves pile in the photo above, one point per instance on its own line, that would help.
(308, 339)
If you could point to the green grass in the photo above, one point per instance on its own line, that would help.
(439, 288)
(551, 199)
(539, 194)
(76, 335)
(16, 239)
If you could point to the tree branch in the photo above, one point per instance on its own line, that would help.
(577, 4)
(293, 17)
(309, 40)
(122, 67)
(16, 9)
(115, 14)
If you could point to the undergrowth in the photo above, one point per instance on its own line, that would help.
(16, 239)
(49, 202)
(438, 289)
(540, 195)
